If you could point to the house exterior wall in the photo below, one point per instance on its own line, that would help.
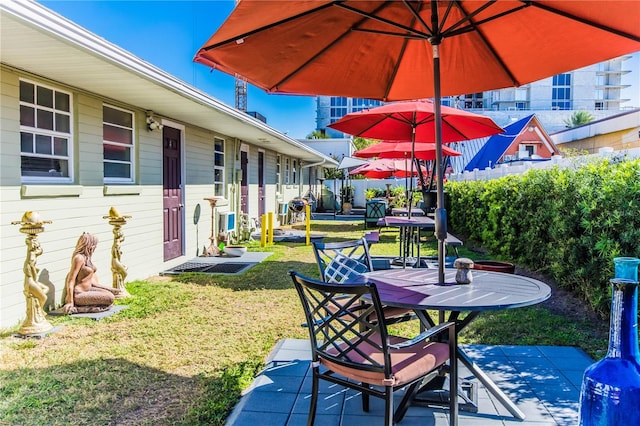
(620, 132)
(618, 140)
(79, 206)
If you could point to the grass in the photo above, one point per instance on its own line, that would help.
(187, 346)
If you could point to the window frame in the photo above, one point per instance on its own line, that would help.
(287, 171)
(132, 147)
(52, 133)
(294, 172)
(216, 183)
(278, 173)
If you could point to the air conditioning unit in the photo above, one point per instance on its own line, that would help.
(508, 158)
(226, 222)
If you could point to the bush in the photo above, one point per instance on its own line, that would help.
(567, 224)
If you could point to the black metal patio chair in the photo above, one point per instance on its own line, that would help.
(343, 261)
(374, 210)
(351, 350)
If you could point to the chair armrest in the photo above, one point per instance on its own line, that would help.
(424, 335)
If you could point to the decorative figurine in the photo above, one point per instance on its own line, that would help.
(34, 291)
(83, 293)
(464, 266)
(118, 269)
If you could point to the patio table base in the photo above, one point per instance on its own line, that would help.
(435, 393)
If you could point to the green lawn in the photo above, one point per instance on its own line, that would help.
(186, 347)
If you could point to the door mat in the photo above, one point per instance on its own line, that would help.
(218, 268)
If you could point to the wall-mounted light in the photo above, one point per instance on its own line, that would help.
(152, 123)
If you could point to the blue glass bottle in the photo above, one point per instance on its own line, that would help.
(610, 393)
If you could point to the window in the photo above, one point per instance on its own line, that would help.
(294, 172)
(286, 171)
(358, 104)
(117, 135)
(278, 172)
(561, 92)
(45, 133)
(531, 149)
(218, 167)
(338, 107)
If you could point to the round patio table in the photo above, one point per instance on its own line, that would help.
(418, 289)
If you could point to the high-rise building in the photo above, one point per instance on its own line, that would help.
(332, 108)
(603, 89)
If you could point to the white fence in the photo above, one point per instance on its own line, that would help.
(520, 167)
(360, 185)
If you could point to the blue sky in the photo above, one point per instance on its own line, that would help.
(168, 34)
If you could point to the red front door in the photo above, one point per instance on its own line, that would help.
(172, 193)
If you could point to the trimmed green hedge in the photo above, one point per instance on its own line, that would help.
(566, 224)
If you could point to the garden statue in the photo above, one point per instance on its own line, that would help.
(463, 274)
(34, 291)
(82, 292)
(118, 269)
(245, 228)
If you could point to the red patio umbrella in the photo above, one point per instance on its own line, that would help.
(398, 50)
(415, 121)
(382, 168)
(423, 151)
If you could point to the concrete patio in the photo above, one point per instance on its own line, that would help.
(543, 381)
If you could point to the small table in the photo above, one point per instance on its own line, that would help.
(409, 233)
(404, 211)
(415, 289)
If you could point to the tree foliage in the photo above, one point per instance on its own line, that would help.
(362, 143)
(567, 224)
(317, 134)
(579, 118)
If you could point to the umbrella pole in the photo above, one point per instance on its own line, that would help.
(441, 213)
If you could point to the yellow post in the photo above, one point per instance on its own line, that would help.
(270, 220)
(307, 214)
(263, 230)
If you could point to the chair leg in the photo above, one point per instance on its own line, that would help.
(314, 397)
(453, 378)
(388, 406)
(365, 398)
(406, 399)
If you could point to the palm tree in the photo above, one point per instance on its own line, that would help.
(579, 118)
(317, 134)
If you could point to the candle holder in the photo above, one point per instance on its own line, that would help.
(118, 269)
(34, 291)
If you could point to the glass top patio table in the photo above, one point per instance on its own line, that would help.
(418, 289)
